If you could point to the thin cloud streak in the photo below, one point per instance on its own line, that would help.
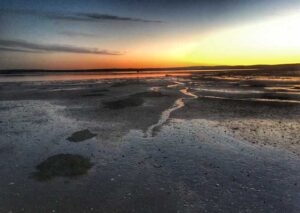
(77, 34)
(24, 46)
(7, 49)
(88, 17)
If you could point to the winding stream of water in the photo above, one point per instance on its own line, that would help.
(165, 115)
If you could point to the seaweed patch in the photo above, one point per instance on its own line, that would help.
(62, 165)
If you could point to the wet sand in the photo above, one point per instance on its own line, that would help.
(203, 142)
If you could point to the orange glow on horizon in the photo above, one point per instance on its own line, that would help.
(273, 41)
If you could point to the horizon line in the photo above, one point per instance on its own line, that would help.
(151, 68)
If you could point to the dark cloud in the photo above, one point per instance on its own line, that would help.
(24, 46)
(89, 17)
(95, 16)
(7, 49)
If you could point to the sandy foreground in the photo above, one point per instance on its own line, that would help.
(210, 142)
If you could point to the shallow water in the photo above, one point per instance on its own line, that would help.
(253, 88)
(71, 76)
(165, 115)
(80, 76)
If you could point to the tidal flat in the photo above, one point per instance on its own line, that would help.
(195, 142)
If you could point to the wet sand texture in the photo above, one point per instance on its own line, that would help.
(125, 83)
(210, 142)
(62, 165)
(93, 95)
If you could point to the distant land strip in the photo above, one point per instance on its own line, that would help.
(279, 67)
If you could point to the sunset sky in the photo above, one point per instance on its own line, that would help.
(73, 34)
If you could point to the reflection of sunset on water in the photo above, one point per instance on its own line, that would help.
(68, 77)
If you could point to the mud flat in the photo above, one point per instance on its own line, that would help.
(207, 142)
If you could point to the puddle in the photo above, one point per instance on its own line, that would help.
(186, 92)
(81, 136)
(155, 89)
(258, 100)
(62, 165)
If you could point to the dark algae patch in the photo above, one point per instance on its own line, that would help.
(62, 165)
(124, 103)
(81, 136)
(134, 100)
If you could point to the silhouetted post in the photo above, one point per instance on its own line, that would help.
(138, 77)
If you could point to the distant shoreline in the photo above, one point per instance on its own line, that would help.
(280, 67)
